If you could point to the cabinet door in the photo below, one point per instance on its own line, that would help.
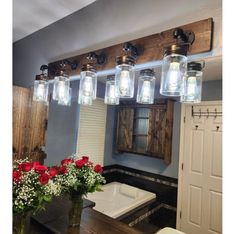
(156, 133)
(125, 129)
(160, 131)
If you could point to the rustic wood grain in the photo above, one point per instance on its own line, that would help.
(125, 128)
(153, 47)
(28, 125)
(159, 132)
(169, 131)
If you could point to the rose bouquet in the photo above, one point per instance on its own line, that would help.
(77, 177)
(33, 185)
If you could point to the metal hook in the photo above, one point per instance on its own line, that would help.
(200, 115)
(196, 127)
(215, 113)
(217, 128)
(207, 110)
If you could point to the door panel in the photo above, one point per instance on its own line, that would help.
(197, 143)
(202, 173)
(215, 212)
(195, 205)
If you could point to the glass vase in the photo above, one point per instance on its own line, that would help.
(75, 211)
(21, 223)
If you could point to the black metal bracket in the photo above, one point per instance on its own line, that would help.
(135, 50)
(183, 37)
(73, 64)
(57, 69)
(43, 67)
(100, 58)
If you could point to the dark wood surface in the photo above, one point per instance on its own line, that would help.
(29, 125)
(155, 129)
(55, 221)
(153, 47)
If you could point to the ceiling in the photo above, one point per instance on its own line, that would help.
(30, 16)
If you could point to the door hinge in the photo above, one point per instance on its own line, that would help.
(180, 214)
(184, 119)
(182, 166)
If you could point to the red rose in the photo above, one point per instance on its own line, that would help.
(62, 170)
(66, 161)
(25, 166)
(53, 171)
(80, 163)
(85, 159)
(98, 168)
(34, 164)
(44, 178)
(40, 168)
(16, 175)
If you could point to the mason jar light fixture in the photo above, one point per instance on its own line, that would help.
(125, 76)
(174, 67)
(192, 86)
(174, 64)
(88, 84)
(41, 86)
(146, 87)
(111, 91)
(61, 87)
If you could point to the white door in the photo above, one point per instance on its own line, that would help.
(200, 191)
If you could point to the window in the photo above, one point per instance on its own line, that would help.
(91, 131)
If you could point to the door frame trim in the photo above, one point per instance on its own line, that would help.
(181, 155)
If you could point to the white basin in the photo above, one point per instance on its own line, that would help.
(168, 230)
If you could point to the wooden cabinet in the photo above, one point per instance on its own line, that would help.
(146, 129)
(29, 125)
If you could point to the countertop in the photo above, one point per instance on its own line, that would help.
(55, 221)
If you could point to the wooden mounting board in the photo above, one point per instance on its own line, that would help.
(153, 47)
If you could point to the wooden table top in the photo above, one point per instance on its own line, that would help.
(55, 221)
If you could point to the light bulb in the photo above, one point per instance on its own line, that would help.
(111, 92)
(61, 89)
(146, 87)
(40, 91)
(173, 76)
(145, 91)
(124, 84)
(174, 67)
(112, 99)
(191, 88)
(87, 87)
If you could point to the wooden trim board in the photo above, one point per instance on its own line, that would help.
(153, 47)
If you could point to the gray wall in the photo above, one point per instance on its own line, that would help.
(212, 90)
(63, 124)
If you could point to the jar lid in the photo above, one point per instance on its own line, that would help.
(147, 72)
(125, 59)
(40, 77)
(88, 67)
(194, 66)
(176, 49)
